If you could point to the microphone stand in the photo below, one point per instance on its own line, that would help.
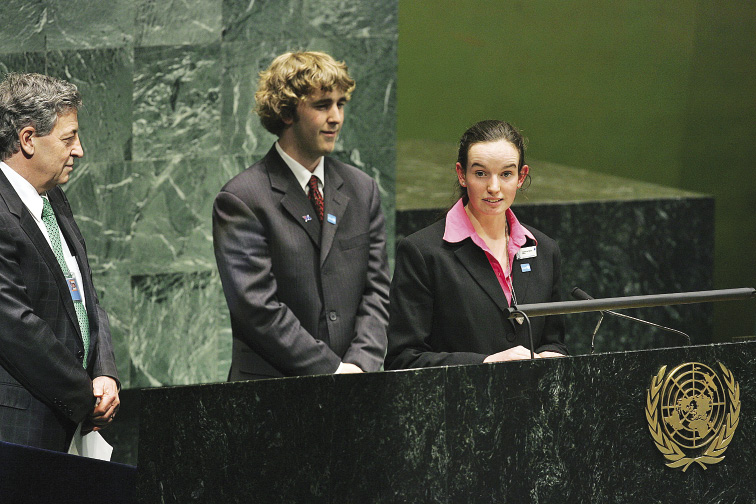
(619, 303)
(518, 313)
(579, 293)
(595, 331)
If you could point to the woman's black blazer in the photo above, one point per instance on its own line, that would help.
(447, 307)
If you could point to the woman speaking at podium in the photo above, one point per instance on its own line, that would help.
(454, 280)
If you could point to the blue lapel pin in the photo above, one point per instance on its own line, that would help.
(331, 219)
(525, 267)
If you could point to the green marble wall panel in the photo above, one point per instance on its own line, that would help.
(352, 18)
(177, 22)
(371, 114)
(168, 91)
(177, 323)
(262, 20)
(101, 197)
(22, 62)
(114, 292)
(103, 77)
(21, 28)
(87, 25)
(241, 130)
(176, 101)
(173, 232)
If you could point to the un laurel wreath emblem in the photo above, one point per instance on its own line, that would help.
(691, 415)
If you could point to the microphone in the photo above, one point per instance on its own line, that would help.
(581, 295)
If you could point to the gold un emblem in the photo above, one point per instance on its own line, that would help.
(691, 415)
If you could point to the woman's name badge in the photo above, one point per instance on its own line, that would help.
(527, 252)
(73, 288)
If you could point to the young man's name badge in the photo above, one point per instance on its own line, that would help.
(527, 252)
(73, 288)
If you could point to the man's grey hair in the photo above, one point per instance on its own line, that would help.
(29, 99)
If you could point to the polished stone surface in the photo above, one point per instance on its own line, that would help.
(566, 430)
(168, 95)
(176, 104)
(25, 33)
(88, 25)
(104, 77)
(177, 22)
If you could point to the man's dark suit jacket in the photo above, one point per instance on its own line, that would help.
(301, 300)
(44, 389)
(447, 306)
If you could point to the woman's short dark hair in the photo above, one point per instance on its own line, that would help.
(490, 130)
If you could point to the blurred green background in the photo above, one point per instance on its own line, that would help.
(660, 92)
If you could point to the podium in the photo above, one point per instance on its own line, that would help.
(573, 429)
(32, 475)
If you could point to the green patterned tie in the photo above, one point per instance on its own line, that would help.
(48, 217)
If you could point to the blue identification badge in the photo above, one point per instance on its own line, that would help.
(525, 267)
(331, 219)
(73, 288)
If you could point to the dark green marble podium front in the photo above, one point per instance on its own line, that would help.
(563, 430)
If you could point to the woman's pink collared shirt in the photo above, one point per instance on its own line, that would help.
(458, 227)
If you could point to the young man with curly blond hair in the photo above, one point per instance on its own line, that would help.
(299, 237)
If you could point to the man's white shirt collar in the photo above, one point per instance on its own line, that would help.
(33, 201)
(301, 173)
(29, 196)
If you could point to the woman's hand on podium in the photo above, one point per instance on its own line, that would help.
(548, 353)
(519, 353)
(347, 368)
(515, 353)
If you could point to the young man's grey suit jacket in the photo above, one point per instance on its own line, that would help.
(302, 300)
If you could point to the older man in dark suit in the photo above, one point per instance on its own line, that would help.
(299, 237)
(57, 368)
